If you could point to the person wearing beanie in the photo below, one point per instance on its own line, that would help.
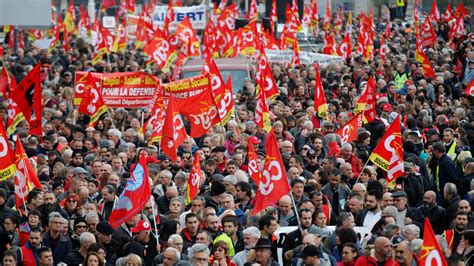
(213, 198)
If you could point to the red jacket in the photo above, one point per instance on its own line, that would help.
(369, 260)
(27, 256)
(356, 165)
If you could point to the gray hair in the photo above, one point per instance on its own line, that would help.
(253, 231)
(176, 252)
(346, 145)
(167, 173)
(413, 228)
(450, 189)
(416, 244)
(173, 238)
(179, 199)
(91, 215)
(115, 132)
(197, 248)
(331, 137)
(391, 210)
(231, 178)
(86, 236)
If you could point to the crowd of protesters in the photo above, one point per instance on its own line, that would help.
(335, 189)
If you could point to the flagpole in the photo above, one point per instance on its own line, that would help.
(111, 120)
(296, 210)
(357, 180)
(154, 220)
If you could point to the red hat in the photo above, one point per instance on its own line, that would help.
(254, 140)
(141, 226)
(387, 107)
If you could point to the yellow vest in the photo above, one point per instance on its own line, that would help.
(400, 3)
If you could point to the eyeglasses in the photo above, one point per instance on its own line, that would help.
(72, 201)
(80, 226)
(201, 259)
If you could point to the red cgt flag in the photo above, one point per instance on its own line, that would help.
(434, 13)
(254, 170)
(448, 15)
(320, 104)
(174, 132)
(136, 194)
(92, 104)
(348, 132)
(25, 177)
(274, 182)
(7, 163)
(431, 253)
(388, 154)
(345, 48)
(427, 33)
(4, 81)
(28, 96)
(195, 177)
(264, 77)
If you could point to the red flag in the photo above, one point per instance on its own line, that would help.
(383, 49)
(187, 35)
(449, 235)
(15, 115)
(470, 88)
(448, 15)
(320, 104)
(107, 3)
(7, 163)
(136, 194)
(264, 77)
(174, 132)
(28, 96)
(130, 6)
(366, 102)
(253, 12)
(388, 30)
(92, 104)
(194, 181)
(431, 253)
(262, 115)
(159, 50)
(328, 17)
(168, 19)
(421, 57)
(273, 16)
(25, 177)
(388, 154)
(457, 30)
(461, 10)
(274, 182)
(345, 48)
(329, 43)
(427, 33)
(254, 170)
(4, 81)
(348, 132)
(434, 13)
(157, 115)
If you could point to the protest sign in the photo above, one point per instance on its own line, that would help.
(125, 89)
(196, 14)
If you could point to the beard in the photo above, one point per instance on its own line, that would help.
(373, 208)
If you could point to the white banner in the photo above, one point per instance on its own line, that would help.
(196, 14)
(323, 60)
(306, 58)
(279, 56)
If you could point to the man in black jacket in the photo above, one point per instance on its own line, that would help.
(406, 215)
(452, 200)
(411, 184)
(434, 212)
(443, 168)
(77, 256)
(295, 238)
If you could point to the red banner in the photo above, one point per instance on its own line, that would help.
(125, 89)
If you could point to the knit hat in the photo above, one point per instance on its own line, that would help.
(217, 188)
